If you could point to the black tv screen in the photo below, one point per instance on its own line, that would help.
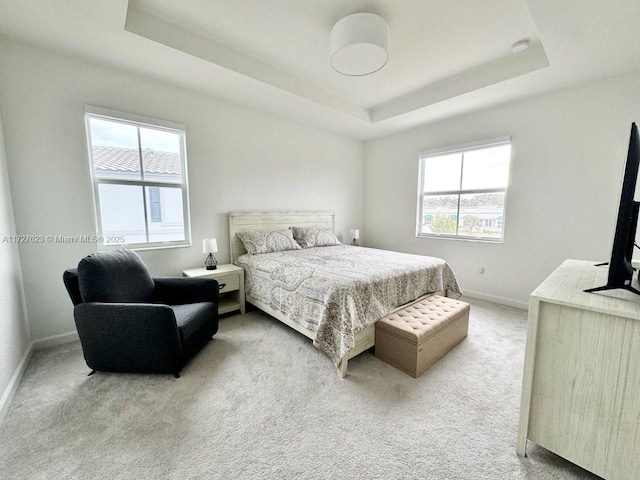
(620, 267)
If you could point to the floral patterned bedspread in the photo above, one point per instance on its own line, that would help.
(339, 290)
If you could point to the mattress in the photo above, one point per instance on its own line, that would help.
(338, 291)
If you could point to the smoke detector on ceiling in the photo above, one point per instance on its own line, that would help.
(520, 46)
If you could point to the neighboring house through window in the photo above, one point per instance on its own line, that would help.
(155, 204)
(462, 191)
(138, 167)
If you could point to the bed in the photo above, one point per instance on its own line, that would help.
(332, 294)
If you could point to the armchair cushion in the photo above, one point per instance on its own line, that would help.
(115, 276)
(193, 316)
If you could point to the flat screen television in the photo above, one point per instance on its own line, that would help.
(620, 268)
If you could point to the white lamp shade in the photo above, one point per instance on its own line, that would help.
(359, 44)
(355, 233)
(209, 245)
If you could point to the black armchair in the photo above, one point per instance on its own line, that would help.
(130, 322)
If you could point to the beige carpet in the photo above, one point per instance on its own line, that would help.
(260, 402)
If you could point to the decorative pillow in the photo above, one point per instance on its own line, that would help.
(268, 242)
(312, 237)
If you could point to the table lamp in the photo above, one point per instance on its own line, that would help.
(356, 235)
(210, 246)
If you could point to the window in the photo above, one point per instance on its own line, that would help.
(139, 171)
(462, 191)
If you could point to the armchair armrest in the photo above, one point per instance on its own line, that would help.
(72, 284)
(129, 337)
(182, 290)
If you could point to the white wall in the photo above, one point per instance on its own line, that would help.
(239, 159)
(14, 332)
(569, 149)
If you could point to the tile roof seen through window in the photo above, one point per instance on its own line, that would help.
(115, 159)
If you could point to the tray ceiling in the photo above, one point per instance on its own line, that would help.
(445, 56)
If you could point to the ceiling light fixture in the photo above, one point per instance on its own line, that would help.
(359, 44)
(520, 46)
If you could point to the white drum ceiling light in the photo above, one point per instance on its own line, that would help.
(359, 44)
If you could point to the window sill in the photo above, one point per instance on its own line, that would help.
(463, 239)
(142, 247)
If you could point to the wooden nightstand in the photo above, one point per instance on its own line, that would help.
(232, 295)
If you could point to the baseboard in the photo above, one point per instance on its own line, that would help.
(500, 300)
(15, 382)
(54, 340)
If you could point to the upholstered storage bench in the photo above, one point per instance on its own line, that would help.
(415, 337)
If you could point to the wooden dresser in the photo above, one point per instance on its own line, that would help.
(581, 381)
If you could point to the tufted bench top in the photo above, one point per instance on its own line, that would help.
(419, 321)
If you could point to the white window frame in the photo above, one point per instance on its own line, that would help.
(150, 123)
(477, 145)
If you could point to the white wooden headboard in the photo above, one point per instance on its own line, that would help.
(251, 221)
